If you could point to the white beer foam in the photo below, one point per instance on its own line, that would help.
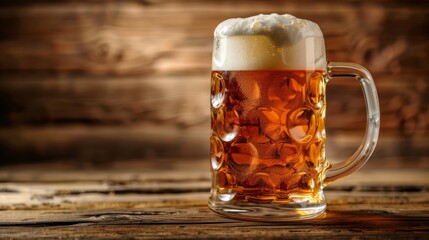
(268, 42)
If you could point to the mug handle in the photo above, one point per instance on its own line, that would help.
(367, 146)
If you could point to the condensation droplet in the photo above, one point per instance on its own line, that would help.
(217, 90)
(302, 124)
(216, 152)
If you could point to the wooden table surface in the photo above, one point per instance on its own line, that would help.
(149, 202)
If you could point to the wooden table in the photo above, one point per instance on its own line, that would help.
(151, 202)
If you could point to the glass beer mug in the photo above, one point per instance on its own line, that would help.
(268, 107)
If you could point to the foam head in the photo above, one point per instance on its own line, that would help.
(268, 42)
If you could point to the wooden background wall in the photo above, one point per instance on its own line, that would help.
(91, 82)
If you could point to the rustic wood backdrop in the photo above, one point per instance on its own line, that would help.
(94, 82)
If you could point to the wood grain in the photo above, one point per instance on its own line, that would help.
(110, 67)
(172, 204)
(104, 119)
(90, 146)
(127, 37)
(183, 101)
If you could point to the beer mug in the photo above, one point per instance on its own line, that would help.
(268, 106)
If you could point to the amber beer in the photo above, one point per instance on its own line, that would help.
(267, 144)
(268, 134)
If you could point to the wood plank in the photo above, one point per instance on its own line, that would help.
(161, 62)
(94, 145)
(188, 170)
(405, 229)
(131, 38)
(176, 100)
(103, 145)
(98, 190)
(392, 203)
(182, 101)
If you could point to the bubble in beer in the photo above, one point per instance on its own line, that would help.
(216, 152)
(227, 124)
(316, 89)
(217, 90)
(302, 124)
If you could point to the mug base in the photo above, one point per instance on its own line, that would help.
(267, 212)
